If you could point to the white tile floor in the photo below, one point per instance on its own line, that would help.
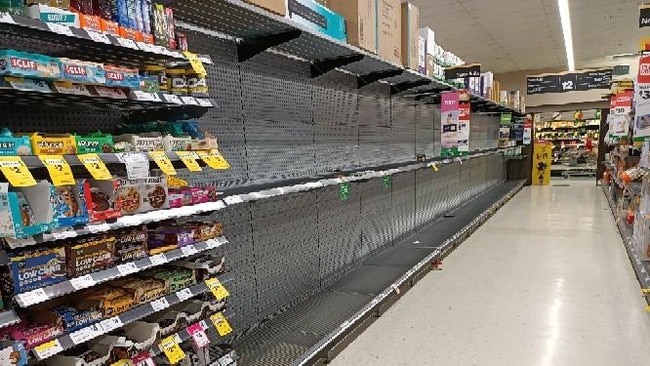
(546, 281)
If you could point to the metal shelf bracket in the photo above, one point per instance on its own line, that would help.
(250, 47)
(322, 67)
(367, 79)
(401, 87)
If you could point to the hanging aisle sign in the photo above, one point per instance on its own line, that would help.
(569, 81)
(464, 111)
(463, 72)
(644, 15)
(449, 119)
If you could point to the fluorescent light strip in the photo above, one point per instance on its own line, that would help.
(565, 17)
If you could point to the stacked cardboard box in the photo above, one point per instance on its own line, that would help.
(410, 36)
(361, 21)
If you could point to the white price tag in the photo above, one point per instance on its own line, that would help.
(171, 98)
(146, 97)
(184, 294)
(33, 297)
(111, 324)
(6, 18)
(204, 102)
(160, 304)
(137, 164)
(144, 46)
(98, 228)
(226, 360)
(204, 325)
(82, 282)
(212, 243)
(198, 335)
(98, 37)
(189, 101)
(60, 29)
(59, 235)
(127, 268)
(158, 259)
(231, 200)
(128, 43)
(189, 250)
(87, 333)
(48, 349)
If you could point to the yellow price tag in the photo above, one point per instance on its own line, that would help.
(434, 167)
(172, 350)
(59, 170)
(214, 159)
(218, 289)
(162, 160)
(196, 64)
(16, 171)
(122, 363)
(221, 323)
(95, 166)
(189, 159)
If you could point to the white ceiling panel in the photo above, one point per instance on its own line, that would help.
(511, 35)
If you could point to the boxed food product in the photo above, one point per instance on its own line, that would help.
(206, 143)
(106, 9)
(143, 142)
(142, 195)
(82, 6)
(172, 143)
(318, 18)
(410, 36)
(109, 27)
(122, 77)
(160, 25)
(171, 28)
(389, 30)
(32, 332)
(34, 269)
(11, 145)
(74, 319)
(82, 71)
(131, 244)
(177, 81)
(177, 278)
(102, 200)
(179, 197)
(429, 49)
(53, 144)
(132, 34)
(171, 236)
(110, 299)
(361, 21)
(70, 205)
(159, 72)
(276, 6)
(144, 289)
(197, 84)
(95, 142)
(91, 22)
(205, 231)
(50, 14)
(28, 65)
(203, 194)
(90, 255)
(27, 211)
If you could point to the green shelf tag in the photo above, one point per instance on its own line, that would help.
(344, 191)
(386, 180)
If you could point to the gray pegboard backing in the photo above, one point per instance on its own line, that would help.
(376, 220)
(403, 212)
(403, 127)
(339, 231)
(484, 131)
(428, 198)
(337, 147)
(424, 129)
(374, 105)
(55, 120)
(276, 88)
(373, 145)
(335, 99)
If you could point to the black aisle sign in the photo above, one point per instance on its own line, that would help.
(644, 16)
(463, 71)
(567, 82)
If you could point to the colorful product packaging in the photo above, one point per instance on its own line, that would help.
(102, 200)
(70, 205)
(11, 145)
(53, 144)
(178, 278)
(82, 71)
(110, 299)
(74, 319)
(34, 269)
(90, 255)
(27, 211)
(32, 333)
(122, 77)
(28, 65)
(131, 244)
(95, 142)
(172, 143)
(142, 195)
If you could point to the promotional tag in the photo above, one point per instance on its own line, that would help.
(214, 159)
(162, 160)
(198, 335)
(189, 159)
(172, 350)
(59, 170)
(218, 290)
(221, 323)
(196, 64)
(16, 171)
(95, 166)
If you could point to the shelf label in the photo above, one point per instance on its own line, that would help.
(217, 288)
(146, 97)
(98, 37)
(184, 294)
(98, 228)
(214, 159)
(434, 167)
(95, 166)
(111, 324)
(189, 250)
(227, 360)
(162, 160)
(137, 164)
(160, 304)
(172, 350)
(128, 43)
(231, 200)
(6, 18)
(86, 334)
(60, 29)
(198, 335)
(189, 100)
(189, 159)
(82, 282)
(33, 297)
(127, 268)
(171, 98)
(16, 171)
(49, 349)
(158, 259)
(204, 102)
(212, 243)
(196, 64)
(221, 324)
(59, 170)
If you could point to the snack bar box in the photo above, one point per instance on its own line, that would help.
(317, 17)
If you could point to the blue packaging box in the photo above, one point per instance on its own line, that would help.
(317, 17)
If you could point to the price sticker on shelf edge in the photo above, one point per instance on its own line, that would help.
(189, 250)
(212, 243)
(221, 324)
(111, 324)
(160, 304)
(158, 259)
(33, 297)
(198, 335)
(162, 160)
(189, 159)
(98, 37)
(82, 282)
(172, 350)
(171, 98)
(95, 166)
(59, 170)
(86, 334)
(60, 29)
(214, 159)
(16, 172)
(127, 268)
(48, 349)
(184, 294)
(218, 289)
(123, 363)
(195, 62)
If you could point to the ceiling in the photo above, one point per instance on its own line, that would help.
(512, 35)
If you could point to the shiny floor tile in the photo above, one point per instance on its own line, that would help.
(546, 281)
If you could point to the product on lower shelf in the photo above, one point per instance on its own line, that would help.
(131, 244)
(109, 299)
(90, 254)
(33, 269)
(178, 278)
(144, 289)
(35, 330)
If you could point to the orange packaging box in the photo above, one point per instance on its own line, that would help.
(90, 22)
(131, 34)
(110, 27)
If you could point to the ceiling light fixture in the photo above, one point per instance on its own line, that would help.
(565, 18)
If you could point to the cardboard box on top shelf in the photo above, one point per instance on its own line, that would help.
(389, 30)
(428, 48)
(276, 6)
(317, 17)
(504, 97)
(410, 36)
(361, 21)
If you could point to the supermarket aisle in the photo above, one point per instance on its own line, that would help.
(546, 281)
